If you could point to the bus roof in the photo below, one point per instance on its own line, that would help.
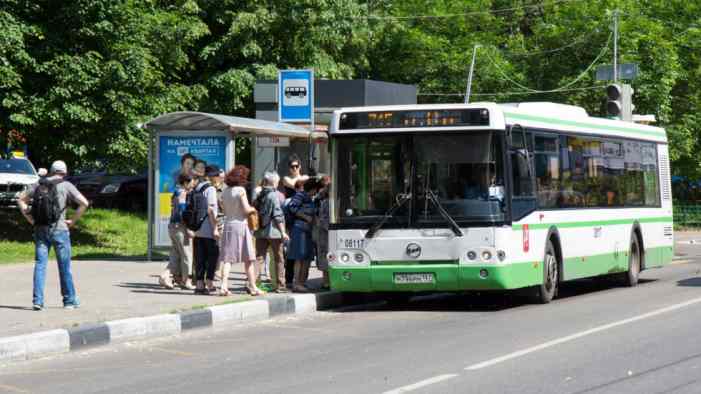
(537, 115)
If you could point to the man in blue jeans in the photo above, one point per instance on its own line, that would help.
(54, 234)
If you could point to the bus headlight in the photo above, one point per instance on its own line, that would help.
(486, 255)
(471, 255)
(349, 258)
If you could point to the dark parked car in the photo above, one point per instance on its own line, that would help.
(127, 192)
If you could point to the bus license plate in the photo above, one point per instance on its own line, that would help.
(401, 278)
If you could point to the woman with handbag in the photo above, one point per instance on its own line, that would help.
(271, 233)
(237, 240)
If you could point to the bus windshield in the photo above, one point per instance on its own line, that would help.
(464, 171)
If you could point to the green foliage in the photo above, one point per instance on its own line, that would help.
(77, 76)
(88, 71)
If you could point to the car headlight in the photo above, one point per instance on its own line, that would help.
(111, 188)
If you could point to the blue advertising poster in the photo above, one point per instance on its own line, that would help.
(178, 154)
(295, 95)
(210, 149)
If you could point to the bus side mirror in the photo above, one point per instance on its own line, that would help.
(509, 139)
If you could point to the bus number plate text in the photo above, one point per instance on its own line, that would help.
(352, 243)
(401, 278)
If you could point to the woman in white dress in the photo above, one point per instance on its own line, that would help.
(237, 242)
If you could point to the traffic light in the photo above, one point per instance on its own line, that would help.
(619, 103)
(614, 104)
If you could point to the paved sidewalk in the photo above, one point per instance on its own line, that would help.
(108, 290)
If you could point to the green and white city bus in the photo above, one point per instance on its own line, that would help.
(485, 196)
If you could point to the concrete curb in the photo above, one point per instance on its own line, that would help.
(48, 343)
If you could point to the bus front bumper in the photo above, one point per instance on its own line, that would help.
(446, 277)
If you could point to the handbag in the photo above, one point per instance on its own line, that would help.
(253, 221)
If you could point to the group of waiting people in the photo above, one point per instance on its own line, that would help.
(293, 224)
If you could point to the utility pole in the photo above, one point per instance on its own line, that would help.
(615, 46)
(468, 90)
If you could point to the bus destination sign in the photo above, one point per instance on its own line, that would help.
(416, 118)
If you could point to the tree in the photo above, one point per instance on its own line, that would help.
(89, 71)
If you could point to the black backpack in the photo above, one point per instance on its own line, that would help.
(258, 202)
(46, 209)
(195, 212)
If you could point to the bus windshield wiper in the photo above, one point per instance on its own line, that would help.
(453, 226)
(401, 200)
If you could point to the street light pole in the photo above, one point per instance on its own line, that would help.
(469, 75)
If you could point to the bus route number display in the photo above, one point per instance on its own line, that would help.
(416, 118)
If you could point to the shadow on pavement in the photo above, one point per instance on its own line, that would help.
(16, 307)
(485, 301)
(690, 282)
(141, 258)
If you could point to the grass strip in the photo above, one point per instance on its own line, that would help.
(99, 234)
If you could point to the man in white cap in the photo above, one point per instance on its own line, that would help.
(49, 200)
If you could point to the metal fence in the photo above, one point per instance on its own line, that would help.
(687, 215)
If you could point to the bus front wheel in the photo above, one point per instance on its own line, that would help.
(546, 291)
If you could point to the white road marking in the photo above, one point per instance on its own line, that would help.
(581, 334)
(12, 389)
(423, 383)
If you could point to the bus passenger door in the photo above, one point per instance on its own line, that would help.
(523, 199)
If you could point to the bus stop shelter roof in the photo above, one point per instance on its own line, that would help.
(201, 121)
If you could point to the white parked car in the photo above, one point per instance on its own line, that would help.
(16, 175)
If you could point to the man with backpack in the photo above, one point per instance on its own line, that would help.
(200, 215)
(49, 201)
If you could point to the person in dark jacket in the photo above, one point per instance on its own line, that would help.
(301, 248)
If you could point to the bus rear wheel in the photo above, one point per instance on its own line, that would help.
(546, 291)
(630, 278)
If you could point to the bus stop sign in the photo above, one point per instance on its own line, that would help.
(295, 96)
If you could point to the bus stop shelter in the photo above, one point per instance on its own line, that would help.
(177, 136)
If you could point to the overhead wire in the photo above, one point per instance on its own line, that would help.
(541, 52)
(471, 13)
(514, 93)
(578, 40)
(567, 85)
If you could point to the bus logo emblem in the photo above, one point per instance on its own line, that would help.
(413, 250)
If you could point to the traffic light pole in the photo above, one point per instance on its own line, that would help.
(615, 46)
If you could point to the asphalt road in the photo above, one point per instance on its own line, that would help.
(596, 338)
